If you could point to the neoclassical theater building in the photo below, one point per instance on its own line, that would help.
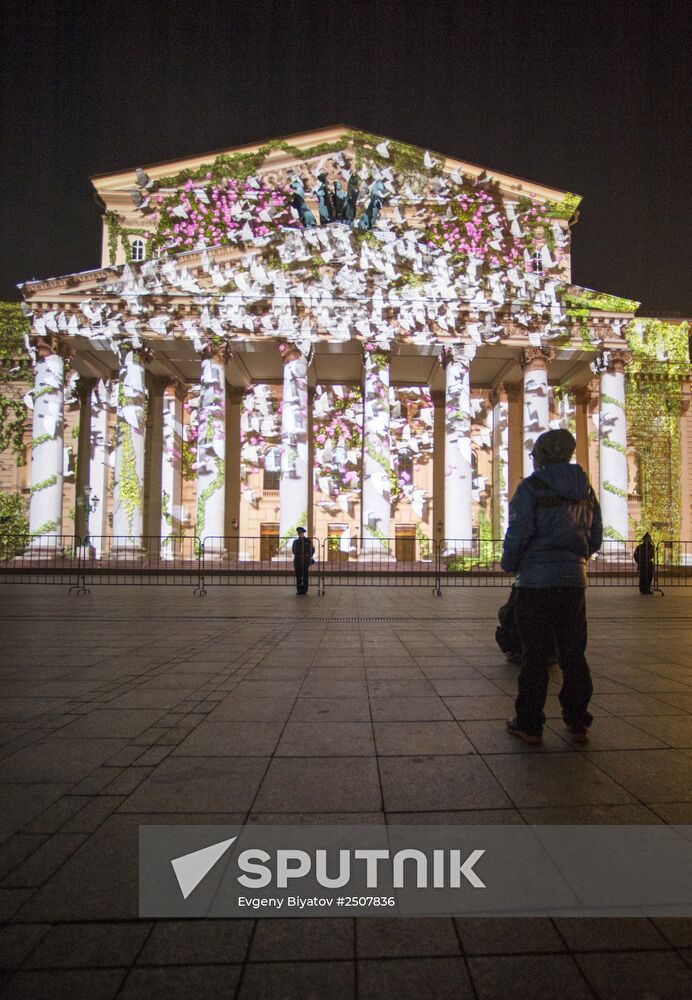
(340, 331)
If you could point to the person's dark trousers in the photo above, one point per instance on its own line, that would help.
(646, 575)
(302, 571)
(547, 617)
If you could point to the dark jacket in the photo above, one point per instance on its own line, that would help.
(303, 551)
(555, 524)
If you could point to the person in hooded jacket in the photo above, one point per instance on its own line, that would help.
(555, 525)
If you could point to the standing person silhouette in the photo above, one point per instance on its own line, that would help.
(555, 525)
(303, 552)
(644, 558)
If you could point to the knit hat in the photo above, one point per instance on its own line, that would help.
(553, 447)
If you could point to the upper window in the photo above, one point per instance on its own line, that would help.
(137, 250)
(405, 466)
(536, 263)
(272, 469)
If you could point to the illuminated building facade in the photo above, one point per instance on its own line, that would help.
(339, 331)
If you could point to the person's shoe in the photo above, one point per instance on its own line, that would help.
(533, 739)
(579, 734)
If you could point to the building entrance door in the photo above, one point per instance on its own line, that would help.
(269, 540)
(339, 542)
(405, 542)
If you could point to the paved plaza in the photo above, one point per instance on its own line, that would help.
(138, 705)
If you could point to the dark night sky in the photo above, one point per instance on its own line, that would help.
(590, 97)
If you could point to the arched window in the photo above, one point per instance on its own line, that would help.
(404, 466)
(137, 250)
(536, 263)
(271, 478)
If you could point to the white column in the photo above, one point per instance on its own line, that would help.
(500, 403)
(99, 465)
(567, 413)
(82, 489)
(612, 451)
(582, 398)
(211, 451)
(293, 486)
(534, 361)
(45, 507)
(458, 469)
(376, 491)
(128, 477)
(171, 467)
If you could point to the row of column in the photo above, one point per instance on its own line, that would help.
(130, 431)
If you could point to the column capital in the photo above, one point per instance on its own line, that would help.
(47, 345)
(498, 394)
(610, 361)
(533, 358)
(370, 351)
(235, 393)
(142, 353)
(156, 384)
(175, 387)
(457, 354)
(583, 395)
(505, 392)
(220, 353)
(290, 351)
(85, 387)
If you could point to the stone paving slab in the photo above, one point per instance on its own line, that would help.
(146, 705)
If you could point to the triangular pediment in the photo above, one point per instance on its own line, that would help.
(304, 150)
(337, 175)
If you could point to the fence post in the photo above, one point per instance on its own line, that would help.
(81, 551)
(199, 590)
(437, 587)
(657, 570)
(79, 586)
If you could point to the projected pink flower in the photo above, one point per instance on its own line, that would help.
(216, 214)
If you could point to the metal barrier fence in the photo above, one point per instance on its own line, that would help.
(116, 560)
(339, 561)
(379, 562)
(471, 562)
(251, 561)
(673, 564)
(47, 559)
(111, 560)
(613, 565)
(476, 563)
